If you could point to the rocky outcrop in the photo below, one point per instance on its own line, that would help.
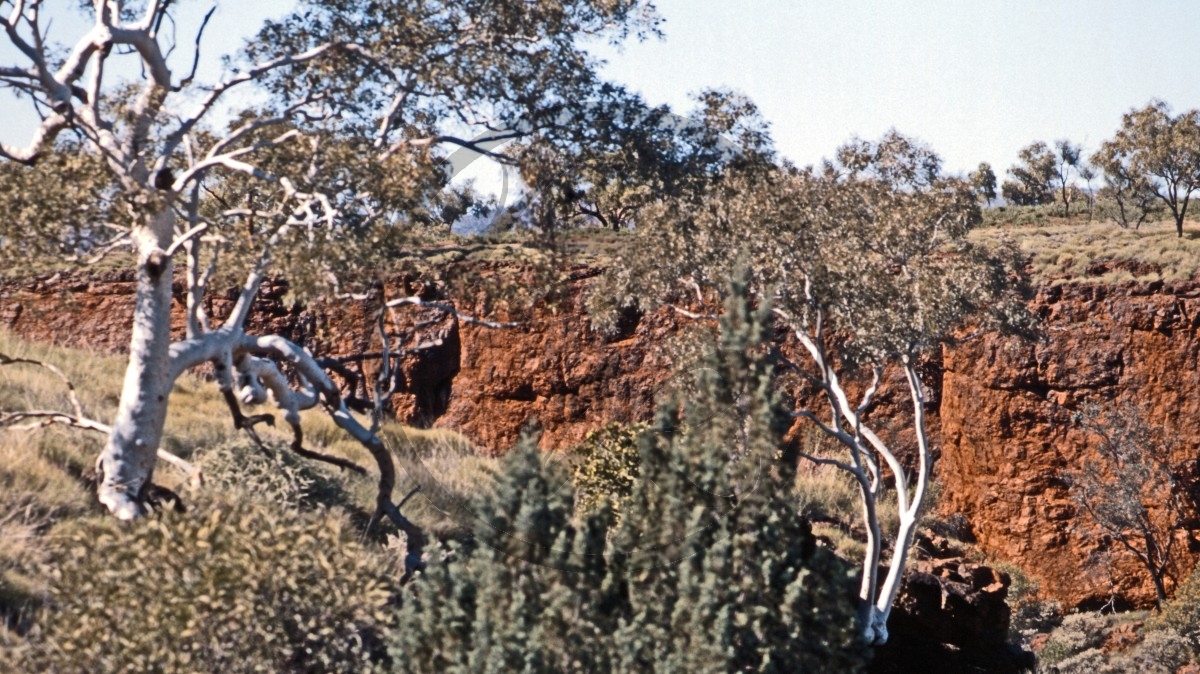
(1000, 408)
(950, 616)
(552, 369)
(1008, 435)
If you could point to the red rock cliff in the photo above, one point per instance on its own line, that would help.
(1003, 406)
(1007, 432)
(486, 383)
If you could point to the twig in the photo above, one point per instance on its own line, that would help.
(78, 420)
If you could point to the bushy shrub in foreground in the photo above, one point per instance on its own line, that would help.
(709, 570)
(608, 467)
(528, 592)
(228, 587)
(1181, 615)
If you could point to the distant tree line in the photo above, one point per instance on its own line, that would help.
(1151, 166)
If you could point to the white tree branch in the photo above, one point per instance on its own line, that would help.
(446, 308)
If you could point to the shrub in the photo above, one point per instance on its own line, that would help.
(1091, 661)
(1079, 632)
(231, 587)
(526, 593)
(721, 573)
(1181, 615)
(1030, 613)
(709, 571)
(1161, 652)
(607, 467)
(278, 476)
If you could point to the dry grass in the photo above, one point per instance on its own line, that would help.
(830, 498)
(1076, 251)
(442, 463)
(42, 472)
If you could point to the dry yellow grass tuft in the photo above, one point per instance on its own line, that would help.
(42, 471)
(830, 498)
(1077, 251)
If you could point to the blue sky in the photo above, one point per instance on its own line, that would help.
(976, 80)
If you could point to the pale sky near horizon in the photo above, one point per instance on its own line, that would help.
(975, 80)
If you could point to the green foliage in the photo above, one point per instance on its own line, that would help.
(528, 592)
(875, 245)
(276, 476)
(722, 574)
(983, 180)
(1032, 179)
(608, 467)
(1154, 156)
(1161, 652)
(1085, 644)
(1068, 161)
(1078, 633)
(1181, 615)
(59, 208)
(642, 155)
(709, 570)
(1090, 661)
(230, 587)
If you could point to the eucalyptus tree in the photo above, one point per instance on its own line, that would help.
(1068, 159)
(983, 179)
(1132, 490)
(866, 262)
(640, 155)
(1156, 152)
(338, 112)
(1132, 194)
(1033, 177)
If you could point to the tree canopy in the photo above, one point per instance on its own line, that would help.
(983, 179)
(338, 115)
(1032, 178)
(866, 256)
(1154, 153)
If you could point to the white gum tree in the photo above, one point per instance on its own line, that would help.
(316, 180)
(866, 264)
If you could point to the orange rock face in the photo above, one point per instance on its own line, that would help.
(1008, 435)
(552, 369)
(1000, 409)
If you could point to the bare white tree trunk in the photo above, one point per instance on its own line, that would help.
(868, 453)
(910, 516)
(126, 465)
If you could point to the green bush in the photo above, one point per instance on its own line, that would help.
(527, 593)
(1079, 632)
(607, 467)
(1091, 661)
(234, 587)
(1181, 615)
(277, 476)
(721, 573)
(709, 570)
(1161, 652)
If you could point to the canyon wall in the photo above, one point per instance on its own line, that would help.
(1001, 408)
(487, 383)
(1008, 435)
